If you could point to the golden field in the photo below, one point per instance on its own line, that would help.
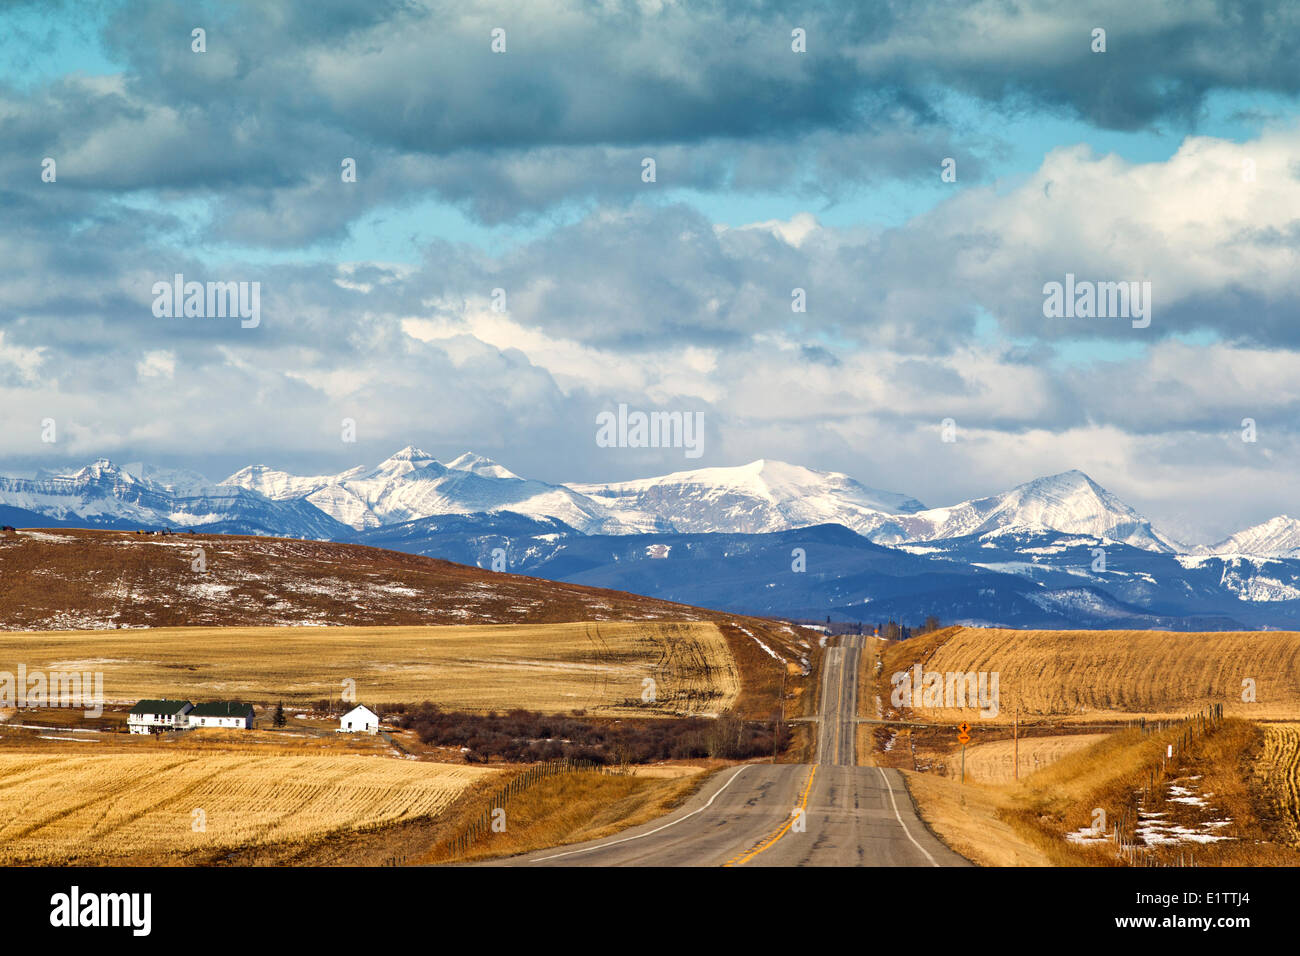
(600, 667)
(1122, 674)
(573, 808)
(995, 762)
(1278, 770)
(93, 808)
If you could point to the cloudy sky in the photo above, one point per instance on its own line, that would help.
(1173, 157)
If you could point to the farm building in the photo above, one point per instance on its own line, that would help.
(155, 716)
(360, 719)
(223, 713)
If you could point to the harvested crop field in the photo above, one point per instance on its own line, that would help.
(1278, 773)
(107, 808)
(600, 667)
(1113, 673)
(71, 580)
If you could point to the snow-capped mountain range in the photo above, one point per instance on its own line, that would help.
(760, 497)
(413, 484)
(723, 538)
(104, 495)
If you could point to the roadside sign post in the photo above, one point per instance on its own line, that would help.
(963, 738)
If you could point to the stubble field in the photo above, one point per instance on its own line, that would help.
(1113, 674)
(160, 808)
(600, 667)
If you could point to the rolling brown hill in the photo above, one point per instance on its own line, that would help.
(91, 580)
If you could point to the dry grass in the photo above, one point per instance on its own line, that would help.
(1007, 825)
(864, 734)
(1239, 781)
(92, 809)
(573, 808)
(968, 819)
(599, 667)
(996, 762)
(74, 579)
(1114, 776)
(1086, 674)
(1231, 774)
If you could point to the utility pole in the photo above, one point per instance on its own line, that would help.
(780, 718)
(1016, 736)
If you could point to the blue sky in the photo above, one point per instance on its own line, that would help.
(776, 170)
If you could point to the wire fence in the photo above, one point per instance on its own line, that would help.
(1130, 848)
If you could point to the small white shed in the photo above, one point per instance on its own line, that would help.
(359, 720)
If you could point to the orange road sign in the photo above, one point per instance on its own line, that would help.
(964, 736)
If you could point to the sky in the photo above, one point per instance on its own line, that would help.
(1170, 157)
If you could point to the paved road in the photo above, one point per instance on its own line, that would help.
(839, 702)
(744, 816)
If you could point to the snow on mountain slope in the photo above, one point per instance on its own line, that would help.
(102, 491)
(281, 485)
(760, 496)
(1276, 537)
(479, 465)
(413, 484)
(1259, 580)
(1070, 502)
(401, 465)
(438, 490)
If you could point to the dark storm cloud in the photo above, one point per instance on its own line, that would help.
(711, 90)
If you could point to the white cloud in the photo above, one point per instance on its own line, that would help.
(156, 365)
(794, 230)
(27, 361)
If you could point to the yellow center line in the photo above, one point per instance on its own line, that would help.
(743, 858)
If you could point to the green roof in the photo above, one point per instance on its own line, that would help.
(163, 706)
(222, 708)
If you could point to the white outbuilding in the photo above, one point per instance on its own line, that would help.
(359, 720)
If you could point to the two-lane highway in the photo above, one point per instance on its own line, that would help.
(833, 813)
(850, 815)
(836, 743)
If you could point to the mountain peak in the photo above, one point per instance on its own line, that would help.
(1072, 480)
(402, 463)
(759, 496)
(480, 465)
(250, 471)
(410, 453)
(1069, 502)
(1279, 536)
(102, 468)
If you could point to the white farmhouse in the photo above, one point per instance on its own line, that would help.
(157, 716)
(360, 719)
(223, 713)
